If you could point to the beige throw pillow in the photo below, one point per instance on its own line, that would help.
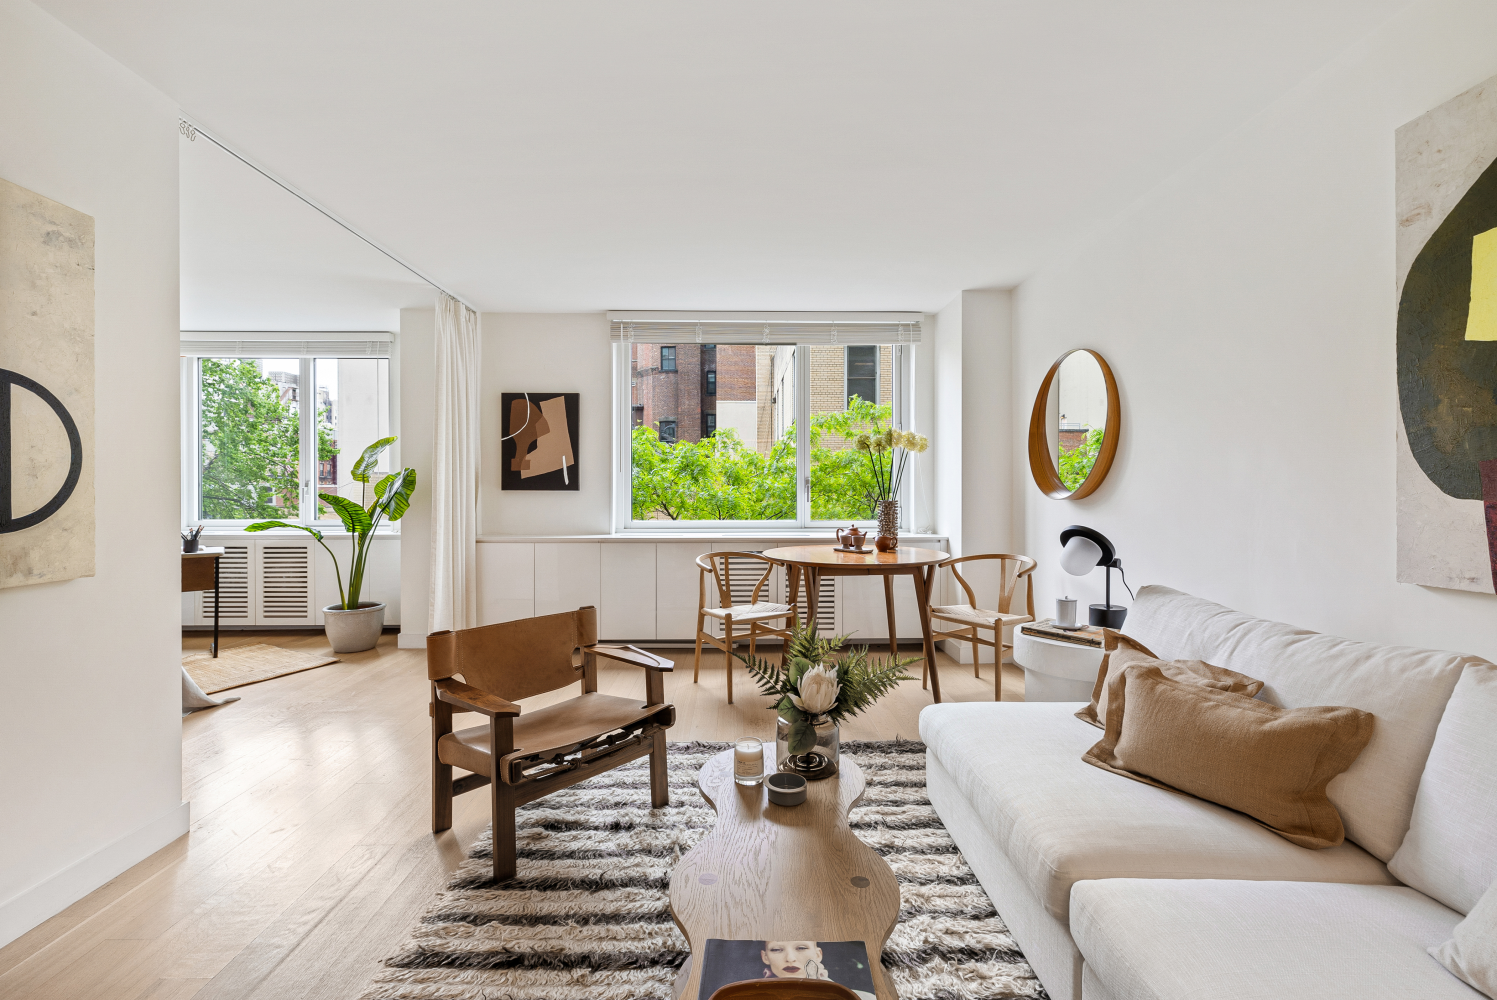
(1121, 651)
(1471, 952)
(1268, 762)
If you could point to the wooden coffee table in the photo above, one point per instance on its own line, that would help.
(773, 872)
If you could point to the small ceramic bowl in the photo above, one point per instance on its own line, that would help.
(786, 789)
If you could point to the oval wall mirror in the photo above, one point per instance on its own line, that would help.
(1073, 430)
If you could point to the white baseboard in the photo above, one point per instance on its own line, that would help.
(411, 640)
(30, 907)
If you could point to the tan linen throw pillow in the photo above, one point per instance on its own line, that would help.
(1121, 651)
(1471, 952)
(1268, 762)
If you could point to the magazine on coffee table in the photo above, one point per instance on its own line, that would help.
(1087, 635)
(844, 962)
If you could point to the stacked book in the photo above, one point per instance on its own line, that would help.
(1087, 635)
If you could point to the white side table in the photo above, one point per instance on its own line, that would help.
(1055, 670)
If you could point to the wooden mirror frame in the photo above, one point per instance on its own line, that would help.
(1042, 466)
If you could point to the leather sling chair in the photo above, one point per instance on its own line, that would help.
(524, 757)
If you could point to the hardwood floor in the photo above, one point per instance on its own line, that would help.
(311, 851)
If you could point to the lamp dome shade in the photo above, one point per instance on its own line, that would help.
(1080, 556)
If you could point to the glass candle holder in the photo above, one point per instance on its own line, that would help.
(748, 760)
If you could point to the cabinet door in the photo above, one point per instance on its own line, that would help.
(627, 611)
(506, 581)
(567, 576)
(677, 589)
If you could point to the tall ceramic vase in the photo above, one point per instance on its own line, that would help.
(888, 526)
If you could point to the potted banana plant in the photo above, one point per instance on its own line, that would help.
(354, 625)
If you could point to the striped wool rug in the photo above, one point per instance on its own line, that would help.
(588, 919)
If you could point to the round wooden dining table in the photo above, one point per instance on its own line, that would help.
(812, 562)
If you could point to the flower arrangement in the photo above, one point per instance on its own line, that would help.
(814, 686)
(888, 454)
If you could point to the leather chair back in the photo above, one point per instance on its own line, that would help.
(517, 659)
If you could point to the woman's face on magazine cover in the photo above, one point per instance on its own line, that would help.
(787, 959)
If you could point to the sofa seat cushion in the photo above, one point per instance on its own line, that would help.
(1060, 820)
(1148, 939)
(1404, 688)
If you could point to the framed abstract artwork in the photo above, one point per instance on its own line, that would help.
(1446, 201)
(540, 440)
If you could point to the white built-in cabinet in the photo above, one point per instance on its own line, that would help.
(647, 590)
(284, 579)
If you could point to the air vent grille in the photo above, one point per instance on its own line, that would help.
(233, 587)
(285, 582)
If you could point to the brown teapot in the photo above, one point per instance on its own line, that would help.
(851, 537)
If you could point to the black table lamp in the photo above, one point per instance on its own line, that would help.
(1083, 550)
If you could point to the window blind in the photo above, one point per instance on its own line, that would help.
(357, 344)
(764, 328)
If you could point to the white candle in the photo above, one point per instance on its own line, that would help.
(748, 761)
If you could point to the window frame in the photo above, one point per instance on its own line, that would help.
(191, 419)
(847, 377)
(902, 401)
(672, 349)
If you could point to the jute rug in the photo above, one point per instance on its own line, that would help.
(588, 918)
(241, 665)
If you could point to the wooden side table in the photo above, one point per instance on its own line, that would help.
(200, 572)
(816, 561)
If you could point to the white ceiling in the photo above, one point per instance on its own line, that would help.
(864, 154)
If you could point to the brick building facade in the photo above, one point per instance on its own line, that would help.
(687, 391)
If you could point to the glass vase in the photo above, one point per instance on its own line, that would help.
(818, 762)
(888, 526)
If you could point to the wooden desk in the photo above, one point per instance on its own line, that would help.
(816, 561)
(200, 572)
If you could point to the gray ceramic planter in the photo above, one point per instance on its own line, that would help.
(353, 631)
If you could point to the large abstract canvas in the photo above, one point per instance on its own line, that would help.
(46, 390)
(1447, 344)
(540, 440)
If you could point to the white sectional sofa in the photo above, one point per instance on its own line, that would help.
(1117, 890)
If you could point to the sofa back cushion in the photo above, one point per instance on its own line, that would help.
(1406, 689)
(1450, 852)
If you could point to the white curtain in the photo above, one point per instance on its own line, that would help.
(454, 469)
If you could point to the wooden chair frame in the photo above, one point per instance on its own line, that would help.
(533, 776)
(757, 625)
(1008, 586)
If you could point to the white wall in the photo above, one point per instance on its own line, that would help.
(415, 365)
(1247, 309)
(90, 690)
(972, 437)
(549, 352)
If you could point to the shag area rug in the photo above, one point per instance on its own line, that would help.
(587, 918)
(241, 665)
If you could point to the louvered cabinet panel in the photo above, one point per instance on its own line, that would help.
(828, 615)
(284, 575)
(235, 588)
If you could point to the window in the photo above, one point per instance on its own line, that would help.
(862, 373)
(269, 434)
(667, 359)
(751, 430)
